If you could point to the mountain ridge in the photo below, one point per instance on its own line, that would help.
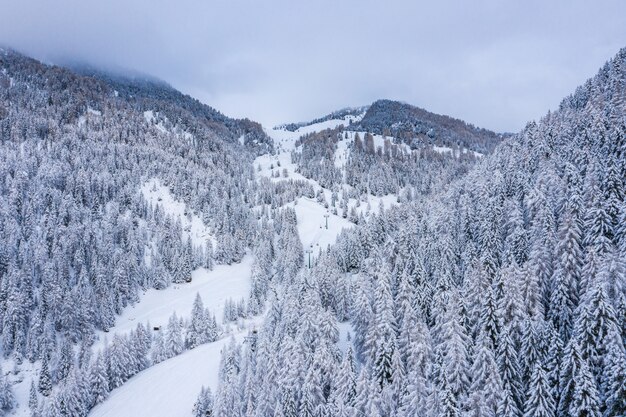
(411, 125)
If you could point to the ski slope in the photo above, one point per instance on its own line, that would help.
(169, 388)
(309, 212)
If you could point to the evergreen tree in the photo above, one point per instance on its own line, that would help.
(64, 363)
(346, 380)
(99, 380)
(614, 382)
(585, 402)
(45, 380)
(174, 344)
(7, 398)
(197, 331)
(455, 363)
(33, 400)
(204, 404)
(539, 400)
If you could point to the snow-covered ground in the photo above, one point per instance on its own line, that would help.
(169, 388)
(448, 150)
(309, 212)
(91, 114)
(150, 116)
(312, 224)
(21, 383)
(286, 138)
(159, 122)
(346, 332)
(285, 142)
(270, 164)
(215, 287)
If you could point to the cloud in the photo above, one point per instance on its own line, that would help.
(495, 64)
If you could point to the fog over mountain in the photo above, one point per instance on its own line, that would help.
(493, 64)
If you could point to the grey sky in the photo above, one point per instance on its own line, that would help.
(494, 63)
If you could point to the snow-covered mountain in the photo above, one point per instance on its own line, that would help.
(114, 194)
(503, 293)
(416, 127)
(346, 116)
(159, 258)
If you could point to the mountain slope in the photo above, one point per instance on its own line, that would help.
(347, 114)
(503, 295)
(413, 125)
(80, 243)
(146, 93)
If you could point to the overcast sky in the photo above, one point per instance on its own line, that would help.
(494, 63)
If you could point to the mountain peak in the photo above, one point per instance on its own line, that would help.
(410, 123)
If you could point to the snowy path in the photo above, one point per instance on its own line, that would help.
(312, 224)
(168, 389)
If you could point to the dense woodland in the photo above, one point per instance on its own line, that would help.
(504, 295)
(78, 242)
(496, 287)
(415, 127)
(388, 169)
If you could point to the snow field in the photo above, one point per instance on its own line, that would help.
(156, 306)
(169, 388)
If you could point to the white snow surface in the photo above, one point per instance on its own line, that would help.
(309, 212)
(448, 150)
(150, 116)
(285, 142)
(91, 114)
(215, 287)
(21, 383)
(312, 224)
(170, 388)
(286, 139)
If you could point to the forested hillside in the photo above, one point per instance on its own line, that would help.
(377, 165)
(381, 261)
(74, 230)
(503, 295)
(347, 114)
(78, 242)
(114, 186)
(415, 127)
